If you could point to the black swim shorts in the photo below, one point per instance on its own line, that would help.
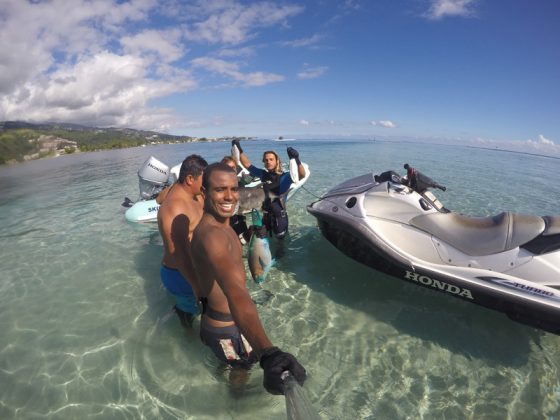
(229, 345)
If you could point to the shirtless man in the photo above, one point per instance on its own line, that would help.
(230, 324)
(178, 215)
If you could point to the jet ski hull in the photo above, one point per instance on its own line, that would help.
(352, 231)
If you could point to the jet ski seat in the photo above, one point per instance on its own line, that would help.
(552, 225)
(549, 240)
(479, 236)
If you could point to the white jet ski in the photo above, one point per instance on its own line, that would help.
(508, 262)
(155, 175)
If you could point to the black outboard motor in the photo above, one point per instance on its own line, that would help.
(418, 181)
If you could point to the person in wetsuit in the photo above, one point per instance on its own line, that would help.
(275, 184)
(278, 181)
(177, 217)
(230, 324)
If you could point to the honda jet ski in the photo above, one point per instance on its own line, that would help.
(509, 262)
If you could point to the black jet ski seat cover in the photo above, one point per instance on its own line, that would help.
(549, 240)
(479, 236)
(552, 225)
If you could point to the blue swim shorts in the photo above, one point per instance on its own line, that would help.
(180, 288)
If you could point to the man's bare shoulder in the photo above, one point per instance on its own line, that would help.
(177, 202)
(212, 238)
(208, 231)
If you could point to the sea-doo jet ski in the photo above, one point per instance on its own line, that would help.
(509, 262)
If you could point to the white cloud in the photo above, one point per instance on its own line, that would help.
(543, 140)
(443, 8)
(231, 22)
(384, 123)
(56, 64)
(105, 89)
(162, 45)
(232, 71)
(104, 62)
(236, 52)
(540, 146)
(304, 122)
(304, 42)
(312, 72)
(351, 4)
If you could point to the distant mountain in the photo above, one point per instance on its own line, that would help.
(20, 141)
(14, 125)
(53, 126)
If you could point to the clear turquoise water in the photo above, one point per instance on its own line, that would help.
(87, 330)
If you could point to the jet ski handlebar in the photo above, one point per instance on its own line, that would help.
(418, 181)
(414, 179)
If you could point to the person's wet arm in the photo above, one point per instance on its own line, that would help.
(181, 250)
(226, 260)
(224, 254)
(245, 161)
(301, 171)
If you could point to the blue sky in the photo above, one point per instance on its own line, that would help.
(484, 72)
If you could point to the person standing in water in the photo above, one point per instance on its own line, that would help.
(275, 184)
(177, 218)
(230, 324)
(272, 176)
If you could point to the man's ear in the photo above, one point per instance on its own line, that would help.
(189, 180)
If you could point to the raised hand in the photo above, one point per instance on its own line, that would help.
(235, 142)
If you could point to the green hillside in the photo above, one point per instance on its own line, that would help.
(23, 141)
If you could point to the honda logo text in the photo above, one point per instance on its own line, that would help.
(439, 285)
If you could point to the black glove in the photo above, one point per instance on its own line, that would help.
(274, 362)
(293, 154)
(235, 142)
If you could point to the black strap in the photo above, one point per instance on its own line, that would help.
(212, 313)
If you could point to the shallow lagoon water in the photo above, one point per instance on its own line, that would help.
(87, 329)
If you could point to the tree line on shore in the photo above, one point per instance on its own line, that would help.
(24, 141)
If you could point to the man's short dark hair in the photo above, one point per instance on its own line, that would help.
(217, 166)
(192, 165)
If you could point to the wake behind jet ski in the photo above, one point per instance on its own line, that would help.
(509, 262)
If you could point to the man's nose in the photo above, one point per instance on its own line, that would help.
(228, 195)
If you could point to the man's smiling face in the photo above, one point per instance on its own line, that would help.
(222, 194)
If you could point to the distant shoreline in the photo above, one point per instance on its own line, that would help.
(514, 151)
(57, 153)
(468, 146)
